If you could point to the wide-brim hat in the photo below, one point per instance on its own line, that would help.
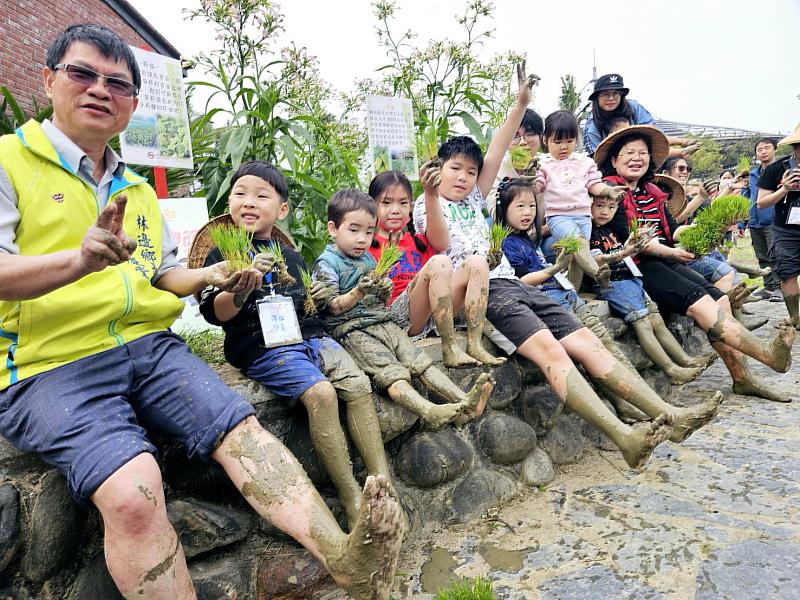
(792, 138)
(611, 81)
(677, 195)
(202, 242)
(659, 144)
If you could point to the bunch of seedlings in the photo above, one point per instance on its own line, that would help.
(390, 256)
(282, 271)
(570, 244)
(309, 305)
(498, 235)
(709, 227)
(235, 244)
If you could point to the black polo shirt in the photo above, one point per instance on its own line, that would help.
(771, 180)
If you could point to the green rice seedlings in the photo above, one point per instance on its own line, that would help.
(479, 588)
(709, 227)
(497, 235)
(633, 228)
(235, 244)
(520, 157)
(309, 305)
(283, 275)
(570, 244)
(390, 255)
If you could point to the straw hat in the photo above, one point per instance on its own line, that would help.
(677, 200)
(202, 243)
(792, 138)
(658, 143)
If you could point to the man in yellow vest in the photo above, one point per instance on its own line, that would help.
(89, 285)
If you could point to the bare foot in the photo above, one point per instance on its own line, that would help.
(750, 386)
(603, 276)
(454, 357)
(439, 415)
(680, 375)
(644, 439)
(688, 420)
(478, 352)
(477, 398)
(701, 361)
(781, 349)
(368, 561)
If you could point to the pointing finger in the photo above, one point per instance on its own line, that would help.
(106, 217)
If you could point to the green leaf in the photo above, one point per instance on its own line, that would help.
(16, 110)
(473, 126)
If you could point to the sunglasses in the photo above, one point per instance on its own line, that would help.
(683, 169)
(87, 77)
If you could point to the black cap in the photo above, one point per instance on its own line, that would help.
(612, 81)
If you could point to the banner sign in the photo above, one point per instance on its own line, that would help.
(392, 141)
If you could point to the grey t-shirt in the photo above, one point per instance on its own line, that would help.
(81, 164)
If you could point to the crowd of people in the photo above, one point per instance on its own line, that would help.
(89, 286)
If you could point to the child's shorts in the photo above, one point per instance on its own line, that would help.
(626, 297)
(568, 299)
(290, 371)
(518, 310)
(562, 226)
(386, 354)
(401, 315)
(712, 268)
(785, 252)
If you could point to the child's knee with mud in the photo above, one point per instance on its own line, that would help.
(356, 315)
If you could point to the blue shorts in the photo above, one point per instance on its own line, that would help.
(561, 226)
(290, 371)
(626, 297)
(712, 267)
(569, 299)
(90, 417)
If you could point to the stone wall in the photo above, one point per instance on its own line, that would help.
(52, 549)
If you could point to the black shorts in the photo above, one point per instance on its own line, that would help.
(674, 286)
(518, 310)
(785, 252)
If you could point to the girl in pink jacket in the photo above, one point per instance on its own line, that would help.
(564, 183)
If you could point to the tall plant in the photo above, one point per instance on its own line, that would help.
(12, 114)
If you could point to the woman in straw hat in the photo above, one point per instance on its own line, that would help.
(609, 103)
(630, 157)
(779, 186)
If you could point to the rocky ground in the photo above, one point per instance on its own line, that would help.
(713, 518)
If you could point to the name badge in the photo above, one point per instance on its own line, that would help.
(563, 281)
(278, 321)
(628, 261)
(794, 216)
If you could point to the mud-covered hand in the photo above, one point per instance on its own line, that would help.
(264, 262)
(494, 258)
(105, 242)
(368, 285)
(238, 282)
(322, 292)
(430, 176)
(563, 261)
(635, 244)
(385, 289)
(617, 192)
(525, 83)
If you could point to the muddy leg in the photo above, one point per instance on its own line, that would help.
(636, 444)
(365, 431)
(745, 382)
(435, 416)
(793, 306)
(776, 354)
(600, 331)
(655, 352)
(673, 346)
(473, 275)
(143, 553)
(474, 401)
(273, 482)
(587, 264)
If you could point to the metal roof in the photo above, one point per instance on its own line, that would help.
(725, 134)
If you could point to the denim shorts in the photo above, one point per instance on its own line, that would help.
(568, 299)
(90, 417)
(562, 226)
(626, 297)
(712, 268)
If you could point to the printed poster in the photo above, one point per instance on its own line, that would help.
(158, 134)
(392, 139)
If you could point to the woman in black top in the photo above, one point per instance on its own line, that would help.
(630, 157)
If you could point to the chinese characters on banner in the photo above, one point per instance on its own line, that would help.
(158, 134)
(392, 143)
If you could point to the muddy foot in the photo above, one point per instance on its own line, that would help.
(440, 415)
(644, 439)
(688, 420)
(701, 361)
(477, 398)
(781, 350)
(368, 561)
(753, 387)
(603, 276)
(739, 293)
(479, 353)
(454, 357)
(680, 375)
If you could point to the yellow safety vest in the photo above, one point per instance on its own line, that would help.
(100, 311)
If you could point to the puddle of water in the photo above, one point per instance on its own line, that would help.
(500, 559)
(437, 572)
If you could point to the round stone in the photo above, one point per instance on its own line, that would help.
(506, 439)
(431, 458)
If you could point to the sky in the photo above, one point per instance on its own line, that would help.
(725, 63)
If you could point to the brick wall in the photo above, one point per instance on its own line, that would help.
(27, 27)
